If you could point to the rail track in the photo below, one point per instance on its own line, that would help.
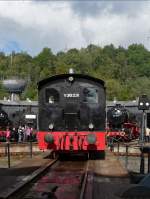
(57, 180)
(74, 179)
(15, 191)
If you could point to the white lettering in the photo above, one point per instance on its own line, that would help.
(30, 116)
(68, 95)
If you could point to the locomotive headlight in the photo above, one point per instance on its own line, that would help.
(91, 126)
(51, 126)
(71, 71)
(141, 103)
(147, 104)
(71, 79)
(144, 102)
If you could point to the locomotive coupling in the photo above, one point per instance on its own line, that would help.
(71, 139)
(71, 142)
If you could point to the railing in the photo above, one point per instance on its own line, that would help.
(132, 155)
(8, 149)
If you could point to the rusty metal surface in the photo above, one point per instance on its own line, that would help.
(62, 182)
(106, 178)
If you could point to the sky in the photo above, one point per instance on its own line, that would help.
(61, 25)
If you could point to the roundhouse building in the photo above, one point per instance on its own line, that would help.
(25, 112)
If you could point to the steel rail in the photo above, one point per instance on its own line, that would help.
(84, 182)
(12, 191)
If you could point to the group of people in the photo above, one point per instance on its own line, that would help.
(18, 134)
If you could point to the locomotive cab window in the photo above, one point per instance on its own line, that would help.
(52, 96)
(90, 95)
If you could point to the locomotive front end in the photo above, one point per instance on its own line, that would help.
(121, 124)
(72, 114)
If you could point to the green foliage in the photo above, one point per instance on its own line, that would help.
(126, 71)
(3, 92)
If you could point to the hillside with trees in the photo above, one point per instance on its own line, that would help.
(125, 71)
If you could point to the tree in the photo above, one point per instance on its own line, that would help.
(126, 71)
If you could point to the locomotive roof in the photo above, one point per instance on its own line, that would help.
(62, 76)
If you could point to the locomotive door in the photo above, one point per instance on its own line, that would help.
(71, 102)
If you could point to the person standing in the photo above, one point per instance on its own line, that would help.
(147, 134)
(28, 133)
(20, 134)
(15, 134)
(7, 134)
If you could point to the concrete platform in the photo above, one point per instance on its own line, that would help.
(16, 148)
(10, 177)
(110, 167)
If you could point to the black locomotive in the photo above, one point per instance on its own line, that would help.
(71, 102)
(71, 113)
(117, 116)
(4, 119)
(122, 123)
